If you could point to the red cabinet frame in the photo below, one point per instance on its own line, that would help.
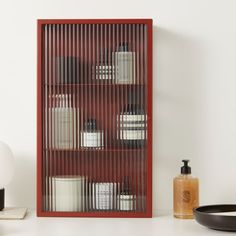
(49, 33)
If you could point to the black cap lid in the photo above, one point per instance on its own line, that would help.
(126, 188)
(133, 107)
(133, 97)
(185, 169)
(124, 47)
(90, 124)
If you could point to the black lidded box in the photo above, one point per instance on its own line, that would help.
(70, 70)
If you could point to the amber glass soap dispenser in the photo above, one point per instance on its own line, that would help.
(185, 193)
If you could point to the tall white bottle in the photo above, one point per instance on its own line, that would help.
(64, 124)
(124, 65)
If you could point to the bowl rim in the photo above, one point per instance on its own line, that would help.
(198, 210)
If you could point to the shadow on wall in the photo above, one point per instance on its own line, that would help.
(178, 96)
(21, 192)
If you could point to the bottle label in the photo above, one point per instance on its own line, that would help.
(133, 118)
(103, 196)
(91, 139)
(132, 127)
(132, 134)
(125, 69)
(186, 196)
(127, 202)
(104, 72)
(62, 128)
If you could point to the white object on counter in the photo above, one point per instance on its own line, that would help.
(13, 213)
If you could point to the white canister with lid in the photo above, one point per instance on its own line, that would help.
(68, 193)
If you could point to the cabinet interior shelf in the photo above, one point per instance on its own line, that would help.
(95, 150)
(96, 85)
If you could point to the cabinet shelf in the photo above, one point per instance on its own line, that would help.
(94, 214)
(95, 150)
(94, 118)
(96, 85)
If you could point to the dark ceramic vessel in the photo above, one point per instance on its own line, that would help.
(203, 215)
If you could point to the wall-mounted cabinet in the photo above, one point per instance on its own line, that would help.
(94, 146)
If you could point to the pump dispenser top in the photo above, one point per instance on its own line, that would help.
(185, 169)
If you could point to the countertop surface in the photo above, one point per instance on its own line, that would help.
(162, 224)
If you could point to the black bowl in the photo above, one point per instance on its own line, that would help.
(203, 215)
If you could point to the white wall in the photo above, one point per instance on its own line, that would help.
(194, 89)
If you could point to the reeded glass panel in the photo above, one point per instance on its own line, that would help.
(94, 117)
